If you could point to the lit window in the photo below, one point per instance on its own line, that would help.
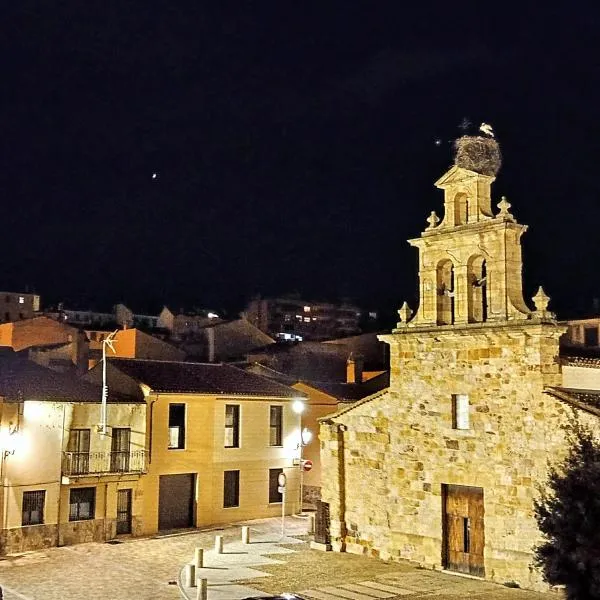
(307, 319)
(299, 317)
(21, 300)
(460, 411)
(307, 309)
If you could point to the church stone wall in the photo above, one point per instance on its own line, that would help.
(385, 460)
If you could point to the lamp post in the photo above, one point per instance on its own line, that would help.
(305, 436)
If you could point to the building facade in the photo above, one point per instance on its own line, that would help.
(62, 481)
(476, 407)
(15, 306)
(217, 440)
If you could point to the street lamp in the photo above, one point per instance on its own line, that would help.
(299, 407)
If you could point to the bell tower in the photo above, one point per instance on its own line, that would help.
(470, 263)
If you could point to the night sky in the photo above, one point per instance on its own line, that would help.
(294, 146)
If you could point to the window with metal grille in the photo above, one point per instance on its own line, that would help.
(33, 507)
(274, 494)
(176, 426)
(275, 425)
(82, 503)
(231, 489)
(78, 450)
(232, 426)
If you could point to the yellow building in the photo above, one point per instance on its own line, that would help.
(217, 440)
(62, 482)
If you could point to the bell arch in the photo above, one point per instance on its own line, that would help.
(445, 292)
(478, 280)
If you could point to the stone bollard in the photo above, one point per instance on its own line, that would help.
(199, 558)
(219, 544)
(245, 535)
(311, 524)
(190, 576)
(202, 591)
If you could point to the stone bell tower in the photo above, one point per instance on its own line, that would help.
(470, 263)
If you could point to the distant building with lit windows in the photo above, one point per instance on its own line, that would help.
(293, 319)
(16, 306)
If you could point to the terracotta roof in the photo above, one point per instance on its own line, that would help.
(22, 379)
(200, 378)
(588, 400)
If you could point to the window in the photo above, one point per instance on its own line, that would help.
(275, 425)
(33, 507)
(21, 300)
(232, 426)
(119, 451)
(460, 411)
(231, 489)
(176, 426)
(78, 451)
(274, 495)
(82, 504)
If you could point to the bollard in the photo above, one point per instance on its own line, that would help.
(311, 524)
(245, 534)
(202, 591)
(199, 558)
(219, 544)
(190, 575)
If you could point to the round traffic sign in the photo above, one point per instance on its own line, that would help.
(307, 465)
(281, 480)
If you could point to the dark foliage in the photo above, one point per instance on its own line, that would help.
(568, 514)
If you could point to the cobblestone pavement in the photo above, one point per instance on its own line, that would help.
(149, 569)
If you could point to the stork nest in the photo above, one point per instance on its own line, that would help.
(479, 154)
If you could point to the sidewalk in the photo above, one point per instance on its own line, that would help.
(271, 564)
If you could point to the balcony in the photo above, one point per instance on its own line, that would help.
(103, 463)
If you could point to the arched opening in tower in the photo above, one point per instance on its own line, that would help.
(478, 289)
(445, 290)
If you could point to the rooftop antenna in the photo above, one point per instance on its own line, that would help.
(109, 341)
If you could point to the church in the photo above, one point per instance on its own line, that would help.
(442, 468)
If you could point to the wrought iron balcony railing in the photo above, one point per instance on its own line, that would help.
(97, 463)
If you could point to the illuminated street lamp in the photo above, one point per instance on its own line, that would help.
(299, 407)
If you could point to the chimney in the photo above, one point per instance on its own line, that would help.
(210, 332)
(354, 368)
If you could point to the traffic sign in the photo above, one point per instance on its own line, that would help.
(281, 480)
(281, 489)
(307, 465)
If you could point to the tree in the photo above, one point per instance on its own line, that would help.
(568, 514)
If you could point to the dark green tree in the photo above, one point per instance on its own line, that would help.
(568, 514)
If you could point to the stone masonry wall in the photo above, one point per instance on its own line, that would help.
(400, 448)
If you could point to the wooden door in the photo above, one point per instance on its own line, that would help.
(463, 529)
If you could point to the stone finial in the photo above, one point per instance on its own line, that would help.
(504, 206)
(541, 301)
(405, 314)
(433, 220)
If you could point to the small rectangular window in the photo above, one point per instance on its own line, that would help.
(460, 411)
(33, 507)
(231, 489)
(232, 426)
(274, 494)
(176, 426)
(276, 426)
(82, 503)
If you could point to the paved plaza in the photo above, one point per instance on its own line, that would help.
(153, 569)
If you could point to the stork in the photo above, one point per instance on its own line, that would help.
(486, 129)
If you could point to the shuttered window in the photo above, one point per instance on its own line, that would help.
(231, 489)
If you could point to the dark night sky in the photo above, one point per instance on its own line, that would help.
(294, 144)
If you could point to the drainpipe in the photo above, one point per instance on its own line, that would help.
(151, 429)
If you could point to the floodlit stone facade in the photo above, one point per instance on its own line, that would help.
(443, 467)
